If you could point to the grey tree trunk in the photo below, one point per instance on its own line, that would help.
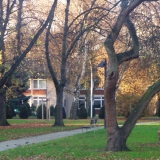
(59, 105)
(73, 112)
(3, 121)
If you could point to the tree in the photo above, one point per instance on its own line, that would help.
(20, 51)
(117, 136)
(74, 28)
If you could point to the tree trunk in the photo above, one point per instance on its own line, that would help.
(3, 121)
(117, 137)
(117, 141)
(158, 103)
(59, 107)
(73, 112)
(110, 107)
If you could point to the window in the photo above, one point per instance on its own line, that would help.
(35, 84)
(42, 84)
(39, 84)
(39, 100)
(35, 101)
(98, 102)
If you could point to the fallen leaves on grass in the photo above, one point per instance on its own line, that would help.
(28, 125)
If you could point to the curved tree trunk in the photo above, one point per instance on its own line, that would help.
(117, 137)
(117, 141)
(158, 103)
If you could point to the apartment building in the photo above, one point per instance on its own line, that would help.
(43, 91)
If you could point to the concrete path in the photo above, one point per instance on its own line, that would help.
(6, 145)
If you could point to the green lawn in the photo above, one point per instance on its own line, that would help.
(143, 142)
(20, 128)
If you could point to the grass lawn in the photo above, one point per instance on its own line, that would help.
(20, 128)
(143, 142)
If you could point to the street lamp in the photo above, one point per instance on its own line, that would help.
(103, 64)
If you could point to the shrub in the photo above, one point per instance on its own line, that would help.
(24, 111)
(9, 112)
(52, 110)
(12, 106)
(102, 113)
(33, 109)
(126, 103)
(29, 109)
(39, 112)
(82, 113)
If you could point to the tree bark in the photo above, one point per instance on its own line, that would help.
(59, 105)
(117, 141)
(158, 103)
(3, 121)
(117, 137)
(73, 112)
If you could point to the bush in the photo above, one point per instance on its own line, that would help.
(82, 113)
(24, 111)
(52, 110)
(33, 109)
(12, 106)
(39, 112)
(9, 112)
(126, 103)
(102, 113)
(29, 109)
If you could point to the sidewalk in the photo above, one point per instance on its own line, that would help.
(6, 145)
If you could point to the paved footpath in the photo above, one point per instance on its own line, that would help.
(6, 145)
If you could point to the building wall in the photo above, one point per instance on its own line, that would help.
(49, 93)
(98, 99)
(42, 94)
